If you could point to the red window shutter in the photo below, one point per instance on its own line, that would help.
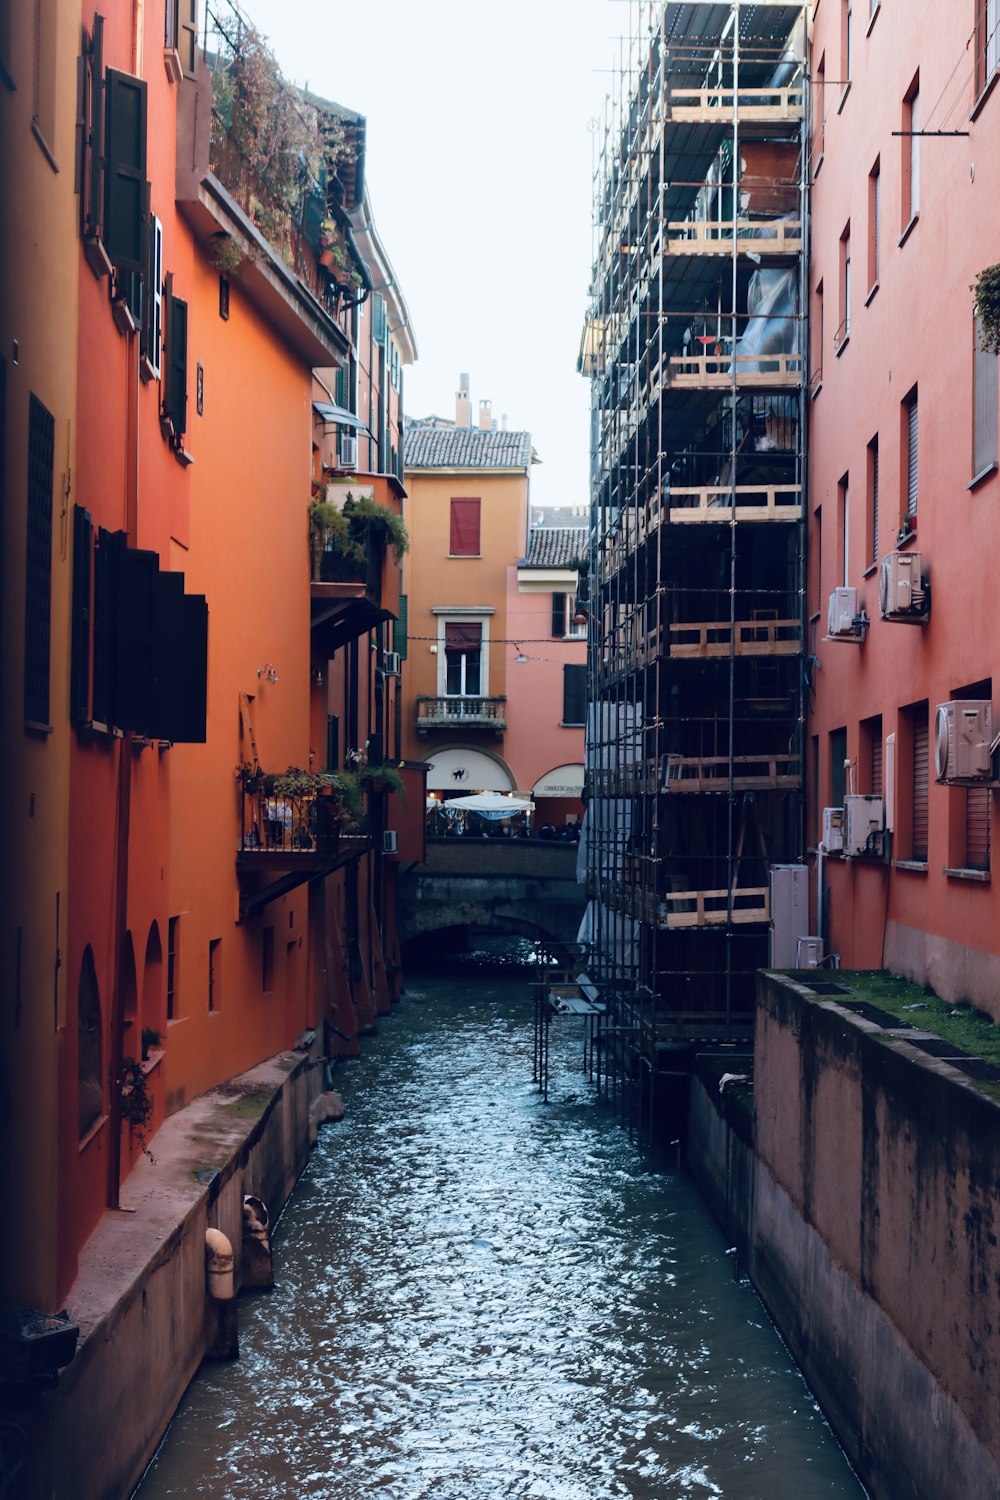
(462, 636)
(464, 528)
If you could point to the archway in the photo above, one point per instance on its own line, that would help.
(462, 769)
(90, 1048)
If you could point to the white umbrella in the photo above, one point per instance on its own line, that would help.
(491, 804)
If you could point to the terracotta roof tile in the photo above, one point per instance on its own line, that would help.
(553, 546)
(465, 448)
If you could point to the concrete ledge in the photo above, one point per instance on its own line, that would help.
(139, 1297)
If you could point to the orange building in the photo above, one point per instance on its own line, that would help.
(38, 484)
(203, 759)
(496, 665)
(902, 482)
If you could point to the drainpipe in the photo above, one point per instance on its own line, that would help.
(820, 853)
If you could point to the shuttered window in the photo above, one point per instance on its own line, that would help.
(151, 335)
(400, 626)
(912, 454)
(874, 223)
(465, 521)
(126, 191)
(921, 763)
(463, 641)
(978, 806)
(987, 20)
(574, 693)
(173, 388)
(38, 564)
(914, 140)
(79, 682)
(876, 760)
(187, 35)
(379, 320)
(558, 616)
(985, 392)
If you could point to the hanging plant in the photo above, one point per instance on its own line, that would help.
(330, 530)
(385, 777)
(224, 254)
(987, 308)
(363, 511)
(137, 1102)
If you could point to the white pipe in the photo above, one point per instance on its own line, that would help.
(820, 853)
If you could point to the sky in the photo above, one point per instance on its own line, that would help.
(483, 124)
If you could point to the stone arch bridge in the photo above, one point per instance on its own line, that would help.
(526, 887)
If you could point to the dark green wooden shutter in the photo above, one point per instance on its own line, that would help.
(180, 662)
(110, 544)
(79, 678)
(574, 693)
(125, 187)
(93, 197)
(558, 615)
(400, 626)
(38, 563)
(175, 311)
(187, 35)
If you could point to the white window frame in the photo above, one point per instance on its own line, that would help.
(455, 615)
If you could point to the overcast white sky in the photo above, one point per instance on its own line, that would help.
(479, 165)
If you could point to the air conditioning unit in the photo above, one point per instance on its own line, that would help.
(809, 953)
(902, 593)
(389, 841)
(843, 612)
(963, 730)
(391, 664)
(833, 829)
(348, 452)
(864, 820)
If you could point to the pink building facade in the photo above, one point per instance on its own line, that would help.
(903, 487)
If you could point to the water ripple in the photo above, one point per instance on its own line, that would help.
(480, 1296)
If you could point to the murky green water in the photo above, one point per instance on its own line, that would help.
(483, 1296)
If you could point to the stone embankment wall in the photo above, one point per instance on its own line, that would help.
(861, 1194)
(140, 1296)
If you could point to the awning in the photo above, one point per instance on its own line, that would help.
(340, 415)
(563, 781)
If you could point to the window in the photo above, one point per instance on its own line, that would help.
(151, 331)
(43, 76)
(873, 502)
(985, 392)
(465, 523)
(180, 33)
(847, 43)
(90, 1069)
(819, 122)
(987, 20)
(844, 331)
(874, 224)
(844, 528)
(115, 195)
(564, 625)
(463, 647)
(214, 962)
(38, 565)
(919, 779)
(173, 960)
(910, 143)
(838, 767)
(817, 361)
(871, 756)
(978, 810)
(911, 453)
(79, 681)
(173, 379)
(574, 693)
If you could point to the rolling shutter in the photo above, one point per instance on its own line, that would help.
(978, 804)
(911, 456)
(125, 186)
(921, 763)
(874, 453)
(985, 387)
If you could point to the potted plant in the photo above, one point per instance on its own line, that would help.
(136, 1101)
(330, 531)
(366, 514)
(987, 308)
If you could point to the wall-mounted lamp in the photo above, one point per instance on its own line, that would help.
(268, 672)
(317, 677)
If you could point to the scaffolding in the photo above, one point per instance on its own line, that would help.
(695, 345)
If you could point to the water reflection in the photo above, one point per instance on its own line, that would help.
(482, 1296)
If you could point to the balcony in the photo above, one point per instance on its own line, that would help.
(288, 840)
(461, 713)
(346, 597)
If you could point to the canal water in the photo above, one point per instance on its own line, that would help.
(480, 1295)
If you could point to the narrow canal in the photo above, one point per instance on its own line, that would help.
(480, 1295)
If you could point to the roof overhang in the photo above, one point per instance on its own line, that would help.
(547, 580)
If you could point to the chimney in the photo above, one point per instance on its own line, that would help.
(463, 406)
(486, 416)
